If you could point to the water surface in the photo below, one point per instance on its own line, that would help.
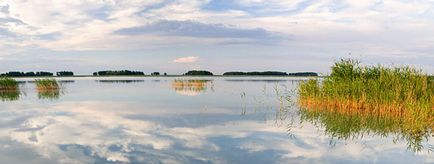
(183, 120)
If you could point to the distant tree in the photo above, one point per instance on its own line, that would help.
(30, 74)
(26, 74)
(44, 74)
(118, 73)
(155, 73)
(165, 74)
(234, 73)
(65, 73)
(303, 74)
(198, 73)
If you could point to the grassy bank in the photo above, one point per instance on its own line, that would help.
(401, 93)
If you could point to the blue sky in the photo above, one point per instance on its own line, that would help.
(218, 35)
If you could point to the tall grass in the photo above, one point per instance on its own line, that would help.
(9, 89)
(47, 88)
(7, 84)
(402, 93)
(46, 84)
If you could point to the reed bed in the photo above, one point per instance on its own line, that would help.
(47, 84)
(8, 84)
(47, 88)
(401, 93)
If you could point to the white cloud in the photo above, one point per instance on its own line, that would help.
(328, 29)
(188, 59)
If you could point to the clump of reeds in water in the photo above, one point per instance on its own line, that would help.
(401, 93)
(47, 88)
(46, 84)
(9, 89)
(7, 84)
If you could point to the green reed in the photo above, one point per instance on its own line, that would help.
(44, 84)
(47, 88)
(388, 93)
(7, 83)
(350, 84)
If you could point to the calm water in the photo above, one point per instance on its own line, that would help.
(182, 120)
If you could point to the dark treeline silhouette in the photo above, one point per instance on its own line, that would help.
(198, 73)
(65, 73)
(118, 73)
(270, 73)
(155, 73)
(26, 74)
(303, 74)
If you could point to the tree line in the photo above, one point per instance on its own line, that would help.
(140, 73)
(36, 74)
(118, 73)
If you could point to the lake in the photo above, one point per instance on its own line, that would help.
(187, 120)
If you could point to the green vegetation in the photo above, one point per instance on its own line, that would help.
(269, 73)
(303, 74)
(9, 89)
(198, 73)
(118, 73)
(46, 84)
(26, 74)
(403, 96)
(47, 88)
(155, 74)
(8, 84)
(65, 73)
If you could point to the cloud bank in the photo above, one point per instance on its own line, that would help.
(376, 31)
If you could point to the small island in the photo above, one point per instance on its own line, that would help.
(119, 73)
(65, 73)
(198, 73)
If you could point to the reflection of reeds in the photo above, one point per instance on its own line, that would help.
(49, 94)
(9, 90)
(403, 95)
(9, 95)
(48, 88)
(345, 126)
(190, 87)
(120, 81)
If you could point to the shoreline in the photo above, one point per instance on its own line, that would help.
(162, 76)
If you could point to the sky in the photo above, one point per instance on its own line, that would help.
(174, 36)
